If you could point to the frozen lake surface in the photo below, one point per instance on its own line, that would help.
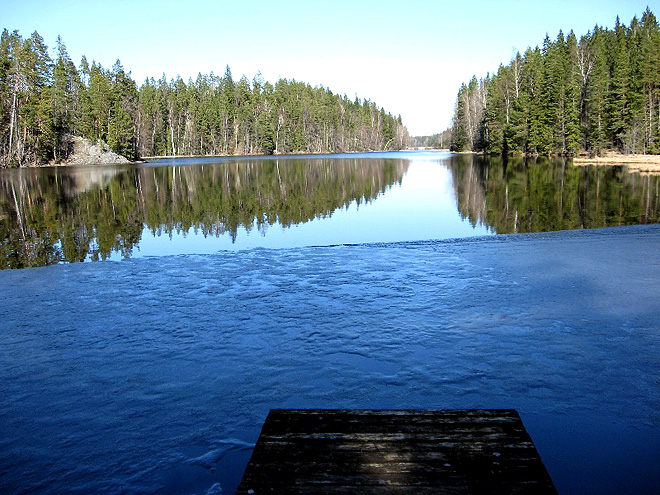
(156, 374)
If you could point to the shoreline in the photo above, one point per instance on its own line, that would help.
(276, 155)
(644, 164)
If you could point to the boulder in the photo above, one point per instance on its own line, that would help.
(84, 152)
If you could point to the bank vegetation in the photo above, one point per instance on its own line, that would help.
(574, 94)
(44, 100)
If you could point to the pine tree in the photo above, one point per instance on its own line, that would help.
(533, 80)
(98, 104)
(43, 101)
(227, 111)
(65, 98)
(573, 140)
(634, 130)
(459, 135)
(600, 92)
(123, 112)
(497, 113)
(650, 79)
(32, 75)
(618, 96)
(596, 101)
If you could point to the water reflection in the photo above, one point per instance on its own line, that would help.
(51, 215)
(73, 214)
(540, 194)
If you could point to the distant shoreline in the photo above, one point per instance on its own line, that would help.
(643, 164)
(284, 155)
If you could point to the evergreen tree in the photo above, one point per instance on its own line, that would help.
(649, 74)
(123, 112)
(44, 101)
(618, 108)
(65, 97)
(596, 93)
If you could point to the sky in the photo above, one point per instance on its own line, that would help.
(409, 57)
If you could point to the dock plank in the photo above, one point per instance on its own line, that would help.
(304, 451)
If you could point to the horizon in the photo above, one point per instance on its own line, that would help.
(396, 58)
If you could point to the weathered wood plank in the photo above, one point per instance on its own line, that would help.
(395, 451)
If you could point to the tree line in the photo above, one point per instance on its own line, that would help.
(44, 100)
(594, 93)
(436, 141)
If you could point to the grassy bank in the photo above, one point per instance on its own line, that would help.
(648, 164)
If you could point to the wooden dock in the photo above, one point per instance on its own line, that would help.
(396, 451)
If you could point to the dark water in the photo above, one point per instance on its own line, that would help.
(197, 206)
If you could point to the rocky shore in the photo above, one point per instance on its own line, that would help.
(84, 152)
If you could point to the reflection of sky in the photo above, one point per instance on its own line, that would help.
(423, 207)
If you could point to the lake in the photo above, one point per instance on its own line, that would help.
(198, 206)
(389, 281)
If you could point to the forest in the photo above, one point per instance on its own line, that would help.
(44, 100)
(590, 94)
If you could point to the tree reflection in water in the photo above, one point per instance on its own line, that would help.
(56, 214)
(541, 194)
(51, 215)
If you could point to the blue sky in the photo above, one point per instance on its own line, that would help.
(409, 57)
